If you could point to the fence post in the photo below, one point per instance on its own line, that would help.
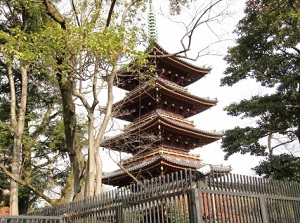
(195, 207)
(264, 210)
(201, 181)
(61, 220)
(119, 214)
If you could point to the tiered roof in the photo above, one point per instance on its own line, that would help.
(159, 162)
(155, 163)
(166, 95)
(167, 66)
(171, 130)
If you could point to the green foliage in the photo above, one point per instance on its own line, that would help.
(179, 216)
(43, 136)
(176, 6)
(6, 134)
(280, 167)
(243, 140)
(267, 45)
(27, 43)
(4, 185)
(267, 50)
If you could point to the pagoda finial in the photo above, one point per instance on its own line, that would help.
(152, 23)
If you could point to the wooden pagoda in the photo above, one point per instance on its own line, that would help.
(157, 105)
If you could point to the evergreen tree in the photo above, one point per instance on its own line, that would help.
(267, 50)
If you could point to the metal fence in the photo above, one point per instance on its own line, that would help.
(163, 199)
(30, 219)
(186, 198)
(237, 198)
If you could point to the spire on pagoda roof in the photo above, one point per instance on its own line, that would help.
(152, 23)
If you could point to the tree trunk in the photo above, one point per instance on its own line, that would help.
(73, 186)
(298, 109)
(100, 135)
(98, 189)
(74, 181)
(24, 200)
(91, 175)
(18, 126)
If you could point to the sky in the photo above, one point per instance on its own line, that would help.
(169, 33)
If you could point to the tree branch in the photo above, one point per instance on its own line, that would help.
(126, 171)
(110, 13)
(26, 184)
(75, 12)
(54, 14)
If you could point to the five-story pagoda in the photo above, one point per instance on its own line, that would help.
(159, 137)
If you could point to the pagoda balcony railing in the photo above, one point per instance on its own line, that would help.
(161, 113)
(173, 85)
(160, 150)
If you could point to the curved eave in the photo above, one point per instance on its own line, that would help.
(185, 95)
(173, 62)
(188, 67)
(201, 104)
(213, 136)
(166, 124)
(161, 151)
(153, 164)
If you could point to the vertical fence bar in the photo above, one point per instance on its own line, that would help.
(297, 210)
(195, 207)
(209, 206)
(264, 210)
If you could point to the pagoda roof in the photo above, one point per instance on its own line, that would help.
(167, 64)
(163, 114)
(177, 62)
(192, 104)
(164, 119)
(160, 150)
(151, 166)
(155, 163)
(159, 119)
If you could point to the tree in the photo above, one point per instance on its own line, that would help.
(17, 105)
(280, 167)
(32, 122)
(87, 65)
(42, 129)
(268, 51)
